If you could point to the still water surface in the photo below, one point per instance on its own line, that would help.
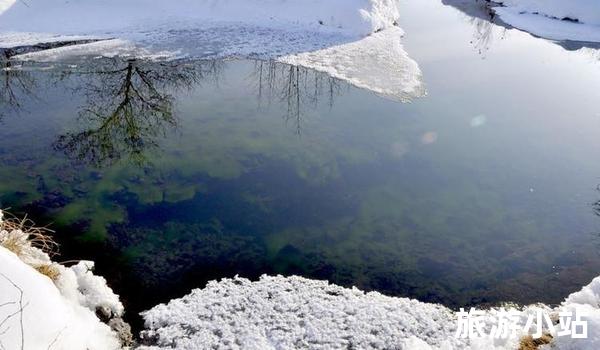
(172, 174)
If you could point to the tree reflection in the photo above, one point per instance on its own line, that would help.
(596, 205)
(128, 107)
(484, 21)
(15, 83)
(297, 87)
(484, 34)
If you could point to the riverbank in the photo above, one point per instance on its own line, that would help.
(328, 37)
(577, 20)
(46, 304)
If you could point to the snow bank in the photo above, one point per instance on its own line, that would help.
(587, 300)
(585, 11)
(293, 312)
(359, 17)
(49, 319)
(298, 313)
(39, 313)
(80, 285)
(333, 36)
(554, 19)
(588, 295)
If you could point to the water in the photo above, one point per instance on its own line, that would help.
(172, 174)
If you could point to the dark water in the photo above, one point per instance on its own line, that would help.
(172, 174)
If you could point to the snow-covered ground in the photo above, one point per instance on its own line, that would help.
(37, 312)
(577, 20)
(298, 313)
(360, 17)
(354, 40)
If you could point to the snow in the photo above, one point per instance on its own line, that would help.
(49, 319)
(105, 48)
(79, 284)
(60, 314)
(14, 39)
(293, 312)
(545, 18)
(588, 295)
(587, 300)
(369, 69)
(359, 17)
(351, 39)
(586, 11)
(278, 312)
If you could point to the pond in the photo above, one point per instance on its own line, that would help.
(170, 174)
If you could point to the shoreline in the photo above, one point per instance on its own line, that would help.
(273, 312)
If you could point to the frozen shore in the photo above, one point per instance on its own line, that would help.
(334, 36)
(45, 305)
(576, 20)
(299, 313)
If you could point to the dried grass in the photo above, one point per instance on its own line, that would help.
(13, 243)
(49, 270)
(37, 237)
(529, 343)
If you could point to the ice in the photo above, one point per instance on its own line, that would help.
(577, 20)
(377, 62)
(344, 38)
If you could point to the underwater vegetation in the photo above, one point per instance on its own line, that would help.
(171, 174)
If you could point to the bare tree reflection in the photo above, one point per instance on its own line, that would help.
(484, 34)
(486, 25)
(129, 106)
(295, 86)
(15, 84)
(596, 205)
(482, 11)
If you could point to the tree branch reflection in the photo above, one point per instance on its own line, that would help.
(15, 83)
(484, 21)
(129, 105)
(297, 87)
